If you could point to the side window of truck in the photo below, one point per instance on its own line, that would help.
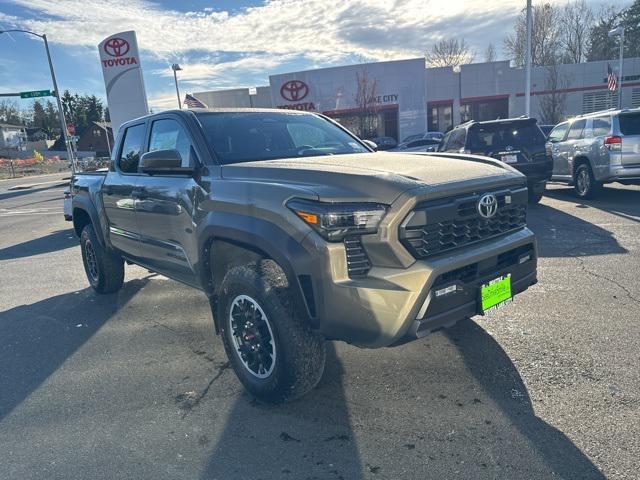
(131, 147)
(168, 134)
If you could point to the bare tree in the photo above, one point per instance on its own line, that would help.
(449, 53)
(10, 112)
(545, 37)
(490, 53)
(554, 101)
(577, 19)
(367, 101)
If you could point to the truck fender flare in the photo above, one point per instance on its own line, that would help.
(86, 206)
(262, 236)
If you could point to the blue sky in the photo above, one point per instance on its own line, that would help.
(227, 43)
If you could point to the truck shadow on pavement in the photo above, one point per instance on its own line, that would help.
(37, 339)
(562, 235)
(58, 240)
(309, 438)
(491, 367)
(393, 420)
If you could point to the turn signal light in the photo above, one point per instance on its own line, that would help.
(613, 143)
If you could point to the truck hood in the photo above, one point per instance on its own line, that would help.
(380, 176)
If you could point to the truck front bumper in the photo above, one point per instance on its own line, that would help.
(392, 305)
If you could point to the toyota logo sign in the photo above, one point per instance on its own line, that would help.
(294, 90)
(116, 47)
(488, 205)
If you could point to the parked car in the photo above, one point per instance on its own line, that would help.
(384, 143)
(602, 147)
(515, 141)
(298, 232)
(546, 129)
(420, 145)
(423, 136)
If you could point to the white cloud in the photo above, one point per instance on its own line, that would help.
(221, 73)
(318, 29)
(163, 101)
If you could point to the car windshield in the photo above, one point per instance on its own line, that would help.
(496, 136)
(252, 136)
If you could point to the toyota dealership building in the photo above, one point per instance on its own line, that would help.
(401, 98)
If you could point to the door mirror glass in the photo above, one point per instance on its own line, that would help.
(167, 162)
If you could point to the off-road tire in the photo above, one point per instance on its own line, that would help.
(300, 351)
(105, 271)
(584, 182)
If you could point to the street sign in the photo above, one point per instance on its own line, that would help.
(36, 93)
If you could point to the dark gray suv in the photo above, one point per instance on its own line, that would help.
(602, 147)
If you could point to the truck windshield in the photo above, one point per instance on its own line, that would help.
(252, 136)
(496, 136)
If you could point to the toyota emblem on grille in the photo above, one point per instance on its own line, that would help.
(488, 205)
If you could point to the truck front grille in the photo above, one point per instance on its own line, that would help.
(358, 263)
(437, 227)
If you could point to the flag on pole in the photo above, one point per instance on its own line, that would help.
(612, 80)
(192, 102)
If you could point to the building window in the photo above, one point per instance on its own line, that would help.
(440, 118)
(484, 110)
(635, 98)
(600, 100)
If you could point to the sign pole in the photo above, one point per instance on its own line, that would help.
(621, 62)
(63, 123)
(527, 89)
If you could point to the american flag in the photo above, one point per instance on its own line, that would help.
(612, 80)
(192, 102)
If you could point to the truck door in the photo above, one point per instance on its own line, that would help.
(166, 206)
(118, 192)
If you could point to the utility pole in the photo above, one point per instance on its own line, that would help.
(527, 62)
(63, 123)
(175, 67)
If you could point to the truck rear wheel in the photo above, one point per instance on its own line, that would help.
(274, 354)
(105, 270)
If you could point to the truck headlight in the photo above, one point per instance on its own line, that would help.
(334, 221)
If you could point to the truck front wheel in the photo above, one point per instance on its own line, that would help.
(274, 354)
(105, 270)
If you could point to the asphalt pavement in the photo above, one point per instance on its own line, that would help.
(135, 385)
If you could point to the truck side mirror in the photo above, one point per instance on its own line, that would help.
(372, 145)
(163, 162)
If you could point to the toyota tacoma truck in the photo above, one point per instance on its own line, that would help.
(298, 232)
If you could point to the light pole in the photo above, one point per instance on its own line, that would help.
(619, 32)
(175, 67)
(63, 123)
(527, 63)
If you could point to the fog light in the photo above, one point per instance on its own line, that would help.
(446, 290)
